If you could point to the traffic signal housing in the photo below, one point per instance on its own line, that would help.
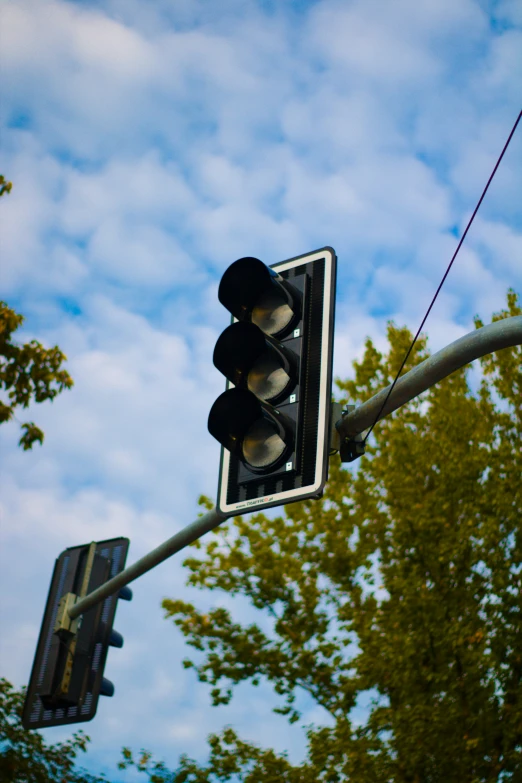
(273, 420)
(67, 675)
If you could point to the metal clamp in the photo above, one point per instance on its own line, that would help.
(64, 626)
(352, 448)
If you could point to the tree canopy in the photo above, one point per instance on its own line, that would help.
(25, 757)
(404, 581)
(28, 372)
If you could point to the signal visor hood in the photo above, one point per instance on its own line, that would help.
(251, 291)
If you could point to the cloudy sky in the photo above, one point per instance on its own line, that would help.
(150, 145)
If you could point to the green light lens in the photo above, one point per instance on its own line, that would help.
(262, 446)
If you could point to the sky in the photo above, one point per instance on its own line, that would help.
(152, 144)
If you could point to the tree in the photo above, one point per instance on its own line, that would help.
(404, 581)
(24, 755)
(28, 372)
(31, 373)
(5, 187)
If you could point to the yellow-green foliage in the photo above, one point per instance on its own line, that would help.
(28, 373)
(28, 757)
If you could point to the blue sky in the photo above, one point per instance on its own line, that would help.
(152, 144)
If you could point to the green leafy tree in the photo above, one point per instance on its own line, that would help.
(404, 581)
(28, 372)
(5, 187)
(24, 755)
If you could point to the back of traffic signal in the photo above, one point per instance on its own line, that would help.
(67, 677)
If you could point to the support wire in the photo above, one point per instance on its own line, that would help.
(470, 221)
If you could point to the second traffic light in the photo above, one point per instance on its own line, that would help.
(273, 420)
(67, 676)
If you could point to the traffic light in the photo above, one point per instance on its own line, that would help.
(67, 674)
(273, 420)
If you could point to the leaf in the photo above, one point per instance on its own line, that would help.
(31, 435)
(29, 373)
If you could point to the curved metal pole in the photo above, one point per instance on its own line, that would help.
(487, 339)
(178, 541)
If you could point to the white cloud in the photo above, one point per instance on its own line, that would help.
(147, 189)
(502, 244)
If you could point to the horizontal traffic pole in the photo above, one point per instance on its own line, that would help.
(178, 541)
(488, 339)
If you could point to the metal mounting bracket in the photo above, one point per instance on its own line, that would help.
(64, 626)
(350, 448)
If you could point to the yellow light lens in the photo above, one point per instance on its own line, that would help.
(267, 379)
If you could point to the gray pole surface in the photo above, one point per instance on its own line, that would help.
(500, 334)
(162, 552)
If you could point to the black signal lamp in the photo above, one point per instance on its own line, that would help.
(260, 436)
(252, 360)
(254, 292)
(106, 687)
